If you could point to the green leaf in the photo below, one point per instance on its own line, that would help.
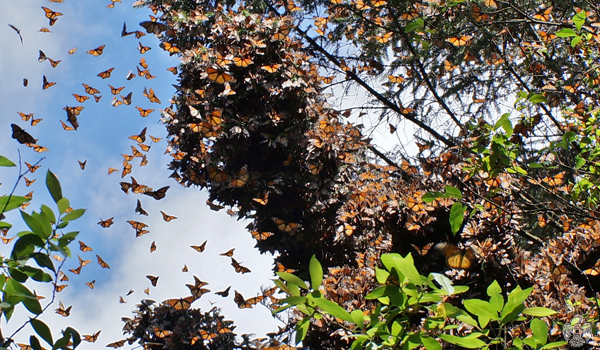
(75, 214)
(6, 162)
(505, 123)
(33, 305)
(576, 40)
(42, 330)
(538, 312)
(53, 186)
(63, 205)
(358, 318)
(457, 215)
(316, 273)
(579, 19)
(453, 192)
(43, 260)
(35, 343)
(482, 309)
(417, 23)
(430, 343)
(554, 345)
(33, 224)
(404, 266)
(540, 331)
(495, 293)
(74, 335)
(333, 309)
(431, 196)
(465, 342)
(11, 203)
(288, 277)
(537, 98)
(302, 328)
(25, 245)
(566, 33)
(514, 306)
(49, 213)
(293, 300)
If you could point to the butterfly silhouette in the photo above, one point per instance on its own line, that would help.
(239, 268)
(22, 136)
(153, 279)
(224, 293)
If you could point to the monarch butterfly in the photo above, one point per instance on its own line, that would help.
(224, 293)
(54, 63)
(181, 303)
(90, 90)
(261, 235)
(228, 253)
(166, 217)
(153, 27)
(117, 344)
(21, 135)
(455, 257)
(116, 102)
(83, 262)
(272, 68)
(106, 74)
(462, 41)
(91, 284)
(82, 164)
(51, 15)
(147, 291)
(282, 33)
(106, 223)
(83, 247)
(143, 49)
(102, 262)
(197, 291)
(151, 96)
(25, 82)
(288, 227)
(141, 137)
(46, 84)
(143, 63)
(158, 194)
(144, 148)
(207, 335)
(130, 75)
(281, 268)
(153, 279)
(262, 201)
(24, 116)
(384, 38)
(126, 99)
(72, 51)
(144, 161)
(129, 293)
(126, 169)
(199, 248)
(111, 170)
(139, 209)
(39, 148)
(7, 240)
(239, 268)
(218, 76)
(62, 310)
(59, 287)
(172, 70)
(97, 98)
(62, 276)
(97, 51)
(169, 48)
(80, 98)
(395, 79)
(423, 250)
(92, 338)
(29, 182)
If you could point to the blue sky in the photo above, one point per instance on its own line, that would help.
(101, 139)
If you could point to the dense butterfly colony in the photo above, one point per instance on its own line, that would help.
(249, 123)
(251, 126)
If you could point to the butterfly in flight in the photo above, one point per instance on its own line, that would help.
(18, 32)
(102, 262)
(228, 253)
(92, 338)
(83, 247)
(82, 164)
(224, 293)
(22, 136)
(46, 84)
(139, 209)
(106, 223)
(181, 303)
(158, 194)
(153, 27)
(199, 248)
(153, 247)
(153, 279)
(167, 218)
(239, 268)
(456, 257)
(51, 15)
(91, 284)
(62, 310)
(97, 51)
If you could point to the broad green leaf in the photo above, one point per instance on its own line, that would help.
(75, 214)
(403, 265)
(431, 196)
(5, 224)
(11, 203)
(538, 311)
(566, 33)
(358, 318)
(34, 342)
(453, 192)
(53, 186)
(6, 162)
(33, 224)
(444, 282)
(482, 309)
(505, 123)
(417, 23)
(381, 275)
(495, 293)
(579, 19)
(514, 305)
(42, 330)
(44, 222)
(288, 277)
(26, 244)
(293, 300)
(457, 215)
(74, 335)
(333, 309)
(302, 328)
(469, 343)
(49, 213)
(537, 98)
(33, 305)
(63, 205)
(540, 331)
(430, 343)
(576, 40)
(558, 344)
(43, 260)
(316, 273)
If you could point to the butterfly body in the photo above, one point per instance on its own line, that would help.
(456, 257)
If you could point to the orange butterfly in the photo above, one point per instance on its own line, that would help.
(51, 15)
(184, 269)
(106, 223)
(143, 63)
(106, 74)
(64, 312)
(82, 164)
(462, 41)
(116, 102)
(228, 253)
(54, 63)
(141, 137)
(34, 122)
(151, 96)
(24, 116)
(144, 148)
(239, 268)
(92, 284)
(46, 84)
(153, 26)
(72, 51)
(240, 301)
(166, 217)
(44, 30)
(97, 51)
(172, 70)
(242, 61)
(218, 76)
(59, 287)
(170, 48)
(207, 335)
(83, 247)
(83, 262)
(117, 344)
(261, 236)
(423, 250)
(91, 338)
(7, 240)
(97, 98)
(39, 149)
(153, 247)
(144, 112)
(181, 303)
(126, 169)
(272, 68)
(29, 182)
(126, 99)
(80, 98)
(153, 279)
(199, 248)
(143, 49)
(139, 209)
(288, 227)
(102, 262)
(158, 194)
(197, 291)
(144, 161)
(90, 90)
(111, 170)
